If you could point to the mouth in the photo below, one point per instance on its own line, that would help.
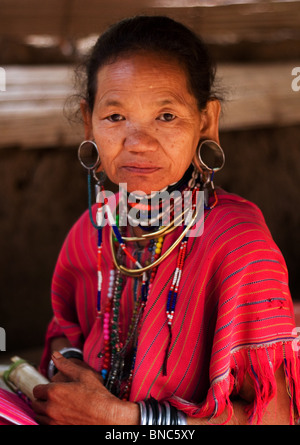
(141, 169)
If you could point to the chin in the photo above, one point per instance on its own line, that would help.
(141, 185)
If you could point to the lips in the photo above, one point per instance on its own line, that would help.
(140, 168)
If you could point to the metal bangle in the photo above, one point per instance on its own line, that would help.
(168, 413)
(155, 413)
(153, 404)
(181, 416)
(159, 417)
(67, 353)
(150, 414)
(143, 412)
(72, 353)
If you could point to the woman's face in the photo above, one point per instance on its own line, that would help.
(145, 122)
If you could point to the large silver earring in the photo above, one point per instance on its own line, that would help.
(209, 158)
(88, 155)
(89, 158)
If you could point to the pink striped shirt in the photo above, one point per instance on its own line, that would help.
(233, 315)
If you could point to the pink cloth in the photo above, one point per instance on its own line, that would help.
(14, 411)
(234, 312)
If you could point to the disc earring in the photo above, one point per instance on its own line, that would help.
(209, 158)
(89, 158)
(88, 155)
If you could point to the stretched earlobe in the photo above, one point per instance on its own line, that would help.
(87, 119)
(210, 120)
(209, 157)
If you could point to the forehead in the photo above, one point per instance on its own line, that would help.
(142, 72)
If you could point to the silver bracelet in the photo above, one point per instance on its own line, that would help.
(143, 412)
(154, 413)
(181, 416)
(159, 417)
(168, 413)
(67, 353)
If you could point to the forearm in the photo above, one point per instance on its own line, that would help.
(277, 412)
(59, 343)
(239, 416)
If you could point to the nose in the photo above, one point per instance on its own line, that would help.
(139, 140)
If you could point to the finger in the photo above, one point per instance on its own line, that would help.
(43, 420)
(39, 407)
(41, 391)
(59, 377)
(67, 367)
(41, 416)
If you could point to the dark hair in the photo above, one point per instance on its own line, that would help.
(161, 35)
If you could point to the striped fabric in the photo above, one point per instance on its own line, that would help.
(14, 411)
(234, 312)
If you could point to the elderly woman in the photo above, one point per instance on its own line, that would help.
(154, 324)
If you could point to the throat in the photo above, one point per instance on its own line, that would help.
(150, 212)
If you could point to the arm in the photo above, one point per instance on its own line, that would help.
(277, 411)
(84, 400)
(59, 343)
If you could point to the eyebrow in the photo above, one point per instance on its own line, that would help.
(110, 102)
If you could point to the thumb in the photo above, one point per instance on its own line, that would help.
(67, 367)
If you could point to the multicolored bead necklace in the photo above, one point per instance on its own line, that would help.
(115, 352)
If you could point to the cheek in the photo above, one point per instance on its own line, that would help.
(107, 148)
(181, 149)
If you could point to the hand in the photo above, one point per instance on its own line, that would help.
(62, 377)
(81, 399)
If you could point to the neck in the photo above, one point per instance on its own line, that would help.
(148, 212)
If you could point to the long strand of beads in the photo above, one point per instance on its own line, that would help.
(99, 272)
(173, 292)
(106, 326)
(155, 250)
(117, 233)
(156, 254)
(106, 338)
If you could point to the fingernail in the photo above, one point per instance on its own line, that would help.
(56, 355)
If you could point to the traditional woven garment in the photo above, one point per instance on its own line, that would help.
(233, 314)
(14, 411)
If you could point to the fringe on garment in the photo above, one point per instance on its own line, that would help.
(261, 364)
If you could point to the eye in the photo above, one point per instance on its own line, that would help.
(166, 117)
(115, 117)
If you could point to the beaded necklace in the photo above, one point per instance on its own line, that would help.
(114, 371)
(116, 354)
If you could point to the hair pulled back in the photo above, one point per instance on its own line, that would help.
(158, 34)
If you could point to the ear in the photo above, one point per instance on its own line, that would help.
(87, 120)
(210, 121)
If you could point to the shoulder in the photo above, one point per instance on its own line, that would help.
(236, 229)
(79, 244)
(230, 203)
(236, 215)
(81, 240)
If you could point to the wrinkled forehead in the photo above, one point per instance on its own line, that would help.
(145, 75)
(142, 67)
